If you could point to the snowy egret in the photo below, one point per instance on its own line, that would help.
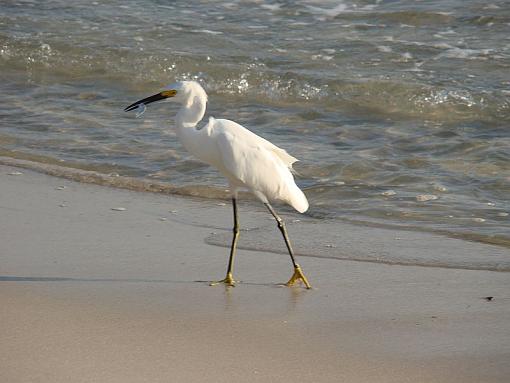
(245, 159)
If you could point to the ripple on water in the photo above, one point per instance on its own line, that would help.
(369, 108)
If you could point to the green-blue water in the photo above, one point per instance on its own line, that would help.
(384, 102)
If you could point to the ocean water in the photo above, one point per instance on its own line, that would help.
(398, 110)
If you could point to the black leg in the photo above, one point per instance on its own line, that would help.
(298, 273)
(229, 279)
(234, 238)
(283, 230)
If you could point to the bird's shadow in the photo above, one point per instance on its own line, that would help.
(240, 283)
(8, 278)
(295, 293)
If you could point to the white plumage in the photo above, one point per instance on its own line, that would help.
(249, 161)
(245, 159)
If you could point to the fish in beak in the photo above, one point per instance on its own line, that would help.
(157, 97)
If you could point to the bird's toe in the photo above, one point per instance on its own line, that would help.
(298, 276)
(228, 281)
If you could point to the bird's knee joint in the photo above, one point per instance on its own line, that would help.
(281, 224)
(236, 230)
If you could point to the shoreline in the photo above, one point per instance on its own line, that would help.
(485, 256)
(95, 294)
(217, 193)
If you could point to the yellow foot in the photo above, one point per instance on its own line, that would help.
(229, 281)
(298, 275)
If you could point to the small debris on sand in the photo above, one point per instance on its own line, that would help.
(119, 208)
(440, 188)
(14, 174)
(426, 197)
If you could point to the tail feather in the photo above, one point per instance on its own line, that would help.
(298, 200)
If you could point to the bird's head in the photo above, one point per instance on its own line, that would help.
(182, 92)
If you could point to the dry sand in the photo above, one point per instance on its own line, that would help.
(91, 294)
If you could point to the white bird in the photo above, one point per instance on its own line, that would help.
(245, 159)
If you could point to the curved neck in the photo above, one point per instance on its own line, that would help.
(191, 113)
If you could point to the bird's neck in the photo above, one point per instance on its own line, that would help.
(191, 113)
(186, 120)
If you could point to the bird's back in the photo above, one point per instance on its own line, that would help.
(253, 162)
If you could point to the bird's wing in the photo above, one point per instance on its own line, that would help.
(245, 135)
(258, 164)
(245, 160)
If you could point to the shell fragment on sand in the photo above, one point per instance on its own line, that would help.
(426, 197)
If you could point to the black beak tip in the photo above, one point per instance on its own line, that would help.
(131, 107)
(145, 101)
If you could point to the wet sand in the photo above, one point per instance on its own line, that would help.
(94, 294)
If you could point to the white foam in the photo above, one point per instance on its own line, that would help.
(465, 53)
(207, 31)
(321, 57)
(271, 7)
(331, 12)
(384, 48)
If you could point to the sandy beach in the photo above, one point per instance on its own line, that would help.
(91, 294)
